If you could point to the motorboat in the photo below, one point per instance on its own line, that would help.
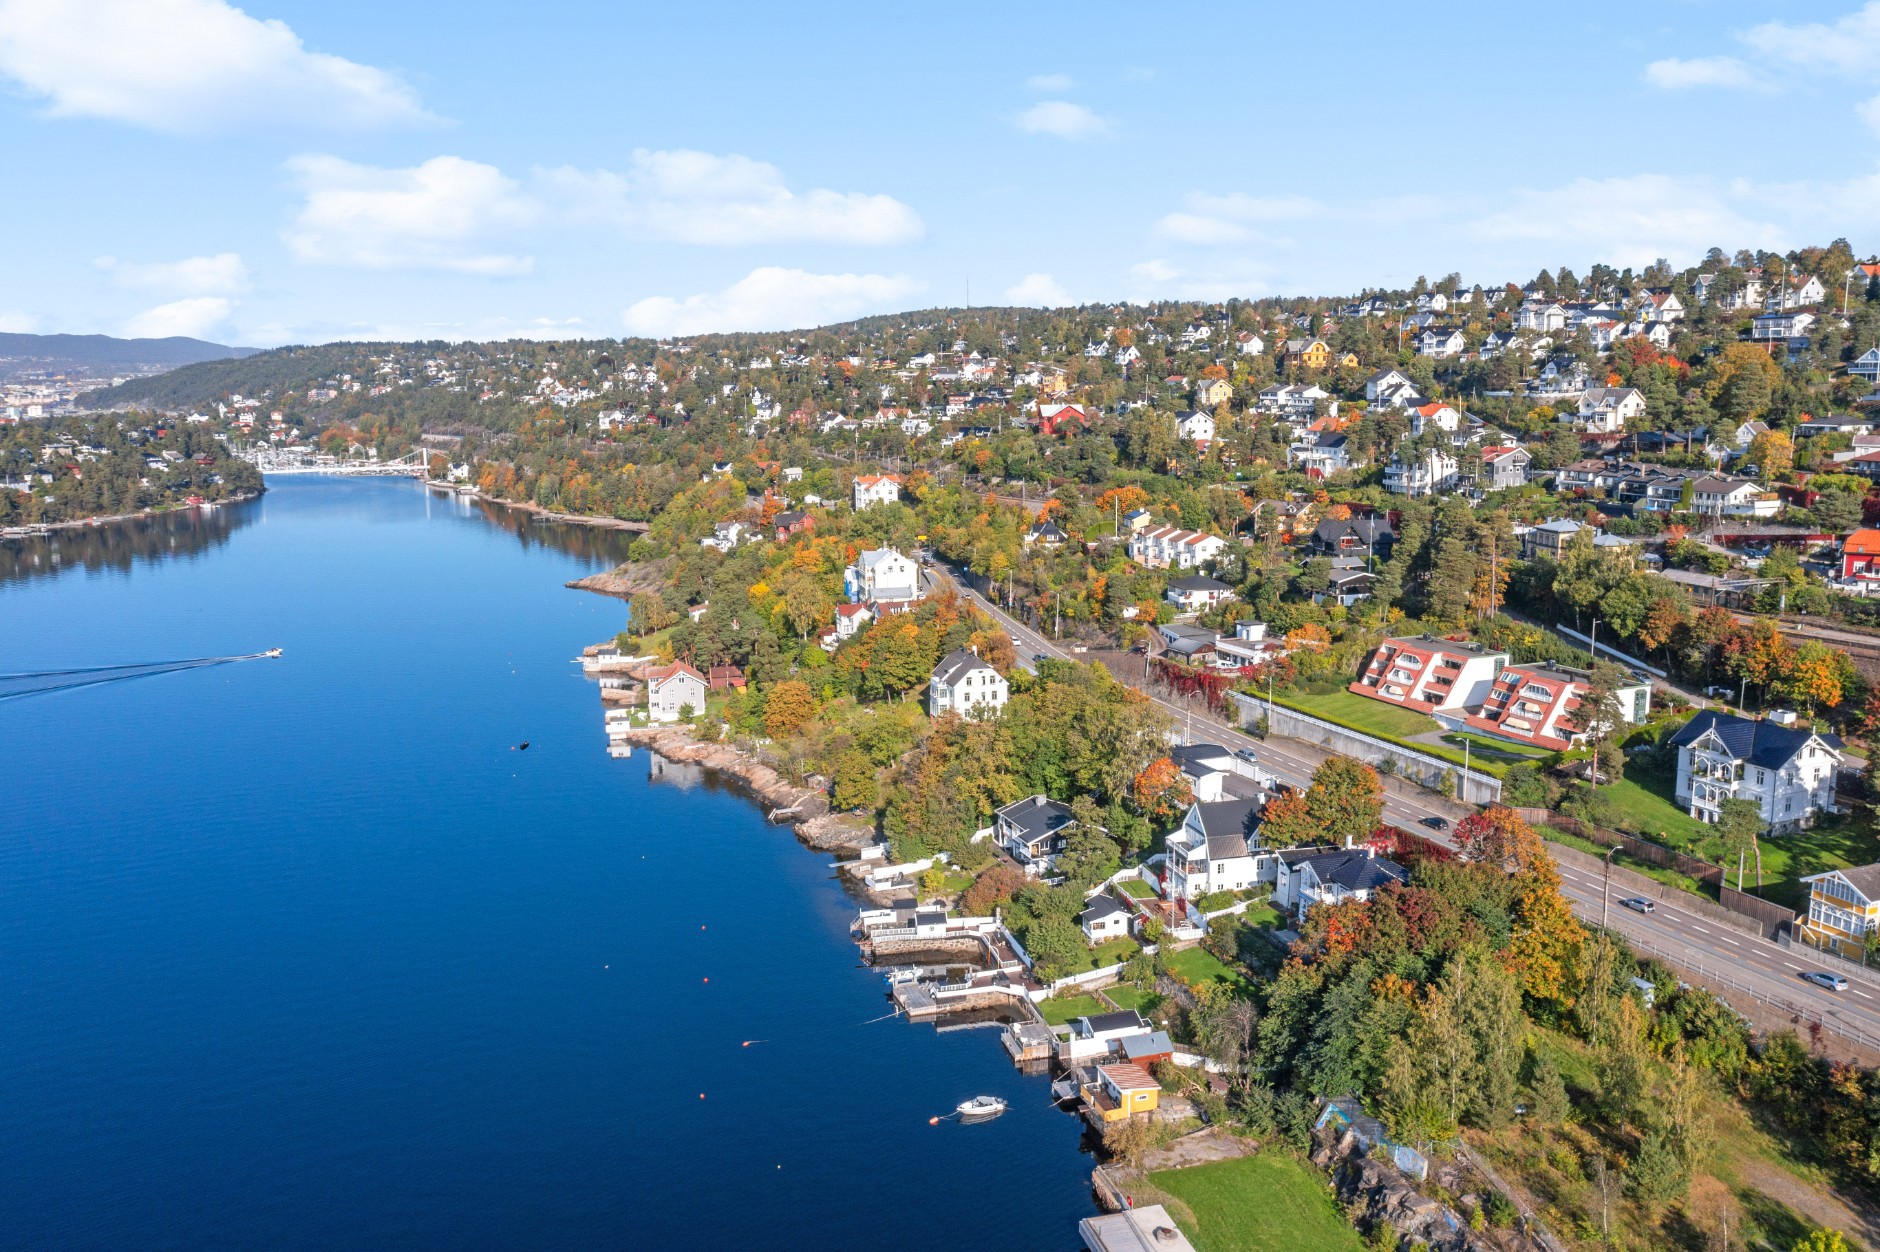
(980, 1108)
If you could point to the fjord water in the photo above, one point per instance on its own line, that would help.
(299, 953)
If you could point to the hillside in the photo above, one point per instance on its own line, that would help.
(104, 354)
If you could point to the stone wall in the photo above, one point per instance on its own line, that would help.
(1473, 787)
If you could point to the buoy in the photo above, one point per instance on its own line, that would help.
(933, 1121)
(701, 1095)
(708, 980)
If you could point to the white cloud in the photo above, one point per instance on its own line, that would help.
(437, 215)
(221, 274)
(702, 198)
(1049, 82)
(1627, 221)
(189, 66)
(17, 323)
(1063, 119)
(1038, 290)
(1155, 271)
(1215, 220)
(1845, 47)
(1674, 74)
(193, 317)
(770, 298)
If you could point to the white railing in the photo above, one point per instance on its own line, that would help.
(1692, 962)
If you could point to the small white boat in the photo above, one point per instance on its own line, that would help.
(980, 1108)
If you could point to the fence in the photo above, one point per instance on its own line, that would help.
(1693, 962)
(1417, 767)
(1633, 846)
(1630, 882)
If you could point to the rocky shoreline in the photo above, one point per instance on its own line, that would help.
(625, 581)
(805, 809)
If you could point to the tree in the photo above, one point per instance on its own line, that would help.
(1498, 836)
(1056, 945)
(1346, 799)
(1547, 1100)
(1773, 452)
(1001, 881)
(1286, 822)
(1739, 822)
(788, 708)
(1822, 1241)
(1839, 510)
(1161, 792)
(855, 784)
(1603, 714)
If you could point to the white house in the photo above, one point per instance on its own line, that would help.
(1032, 830)
(1250, 343)
(873, 489)
(1385, 383)
(1197, 593)
(1332, 878)
(1777, 327)
(1867, 366)
(1733, 497)
(1423, 475)
(882, 579)
(1605, 410)
(964, 684)
(1440, 343)
(850, 618)
(1213, 850)
(1787, 768)
(1197, 426)
(1435, 414)
(1105, 917)
(672, 689)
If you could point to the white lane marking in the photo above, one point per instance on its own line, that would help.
(1730, 941)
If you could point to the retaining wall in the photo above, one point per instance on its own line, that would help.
(1418, 767)
(1626, 882)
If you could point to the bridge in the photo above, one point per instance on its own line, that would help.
(414, 464)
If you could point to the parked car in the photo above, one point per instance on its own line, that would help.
(1822, 978)
(1436, 823)
(1639, 904)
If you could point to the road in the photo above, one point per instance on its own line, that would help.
(1700, 947)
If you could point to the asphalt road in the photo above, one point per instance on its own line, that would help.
(1699, 946)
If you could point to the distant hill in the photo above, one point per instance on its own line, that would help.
(102, 354)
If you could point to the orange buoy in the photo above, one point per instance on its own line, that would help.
(933, 1121)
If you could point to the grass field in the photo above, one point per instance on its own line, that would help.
(1195, 966)
(1387, 721)
(1136, 887)
(1125, 996)
(1060, 1009)
(1266, 1203)
(1481, 744)
(1110, 952)
(1646, 801)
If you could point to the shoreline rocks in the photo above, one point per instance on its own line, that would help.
(805, 809)
(624, 581)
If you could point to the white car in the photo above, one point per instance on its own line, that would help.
(1639, 904)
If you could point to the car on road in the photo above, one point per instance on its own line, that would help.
(1435, 823)
(1040, 656)
(1248, 755)
(1822, 978)
(1639, 904)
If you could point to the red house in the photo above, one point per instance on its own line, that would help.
(1859, 553)
(793, 524)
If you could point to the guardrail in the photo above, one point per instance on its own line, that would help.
(1692, 962)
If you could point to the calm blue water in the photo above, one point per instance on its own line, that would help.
(298, 953)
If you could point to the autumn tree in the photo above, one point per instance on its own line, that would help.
(855, 783)
(1286, 822)
(1773, 452)
(1161, 792)
(1346, 799)
(788, 708)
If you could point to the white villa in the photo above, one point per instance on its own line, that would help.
(1787, 768)
(873, 489)
(964, 684)
(1213, 850)
(882, 579)
(671, 689)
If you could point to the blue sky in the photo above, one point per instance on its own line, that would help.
(299, 172)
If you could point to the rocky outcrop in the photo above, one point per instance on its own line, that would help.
(804, 808)
(626, 581)
(1380, 1193)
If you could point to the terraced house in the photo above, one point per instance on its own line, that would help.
(1539, 705)
(1170, 547)
(1429, 674)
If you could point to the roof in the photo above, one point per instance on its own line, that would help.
(1037, 817)
(1865, 878)
(1100, 1022)
(1155, 1043)
(1863, 541)
(1758, 741)
(1229, 825)
(850, 610)
(1128, 1076)
(1100, 907)
(956, 664)
(1145, 1228)
(1356, 871)
(665, 672)
(1198, 582)
(1198, 757)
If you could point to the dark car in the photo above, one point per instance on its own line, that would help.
(1435, 823)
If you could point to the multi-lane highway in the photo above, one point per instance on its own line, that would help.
(1740, 964)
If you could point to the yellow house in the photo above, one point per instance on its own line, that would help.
(1844, 904)
(1210, 392)
(1349, 360)
(1312, 353)
(1123, 1089)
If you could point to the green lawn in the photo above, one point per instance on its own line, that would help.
(1126, 996)
(1060, 1009)
(1266, 1203)
(1496, 747)
(1197, 965)
(1846, 840)
(1136, 887)
(1110, 952)
(1646, 801)
(1263, 914)
(1388, 721)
